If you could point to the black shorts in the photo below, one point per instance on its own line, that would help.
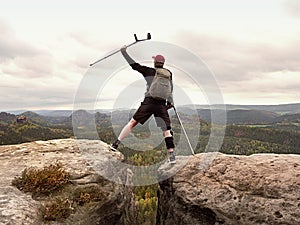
(160, 112)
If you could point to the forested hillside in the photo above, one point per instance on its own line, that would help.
(34, 127)
(247, 132)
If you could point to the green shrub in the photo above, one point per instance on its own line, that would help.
(42, 181)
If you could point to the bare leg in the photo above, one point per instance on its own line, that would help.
(127, 129)
(167, 133)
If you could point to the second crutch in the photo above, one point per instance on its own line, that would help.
(187, 138)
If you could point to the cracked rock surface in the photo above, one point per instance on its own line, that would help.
(17, 207)
(257, 189)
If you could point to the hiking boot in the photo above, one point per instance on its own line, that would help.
(114, 145)
(172, 158)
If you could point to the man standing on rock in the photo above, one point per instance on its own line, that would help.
(158, 100)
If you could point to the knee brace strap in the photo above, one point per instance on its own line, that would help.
(169, 142)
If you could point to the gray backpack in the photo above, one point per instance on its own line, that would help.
(161, 86)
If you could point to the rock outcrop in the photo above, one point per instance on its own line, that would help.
(17, 207)
(258, 189)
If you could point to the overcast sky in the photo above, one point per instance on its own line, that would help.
(252, 47)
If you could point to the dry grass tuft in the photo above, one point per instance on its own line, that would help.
(42, 181)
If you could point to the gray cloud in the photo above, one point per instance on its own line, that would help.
(35, 96)
(20, 58)
(232, 60)
(292, 7)
(10, 46)
(30, 76)
(243, 69)
(88, 48)
(250, 71)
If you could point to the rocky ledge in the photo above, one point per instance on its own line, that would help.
(17, 207)
(258, 189)
(203, 189)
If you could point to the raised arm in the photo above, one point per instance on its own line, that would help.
(126, 56)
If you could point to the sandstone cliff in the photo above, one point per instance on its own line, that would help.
(17, 207)
(241, 190)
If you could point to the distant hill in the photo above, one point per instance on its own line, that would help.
(293, 108)
(7, 118)
(254, 130)
(45, 120)
(288, 118)
(66, 113)
(236, 114)
(250, 117)
(55, 113)
(35, 127)
(280, 109)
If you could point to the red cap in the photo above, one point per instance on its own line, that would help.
(159, 58)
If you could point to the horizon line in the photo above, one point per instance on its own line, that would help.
(125, 108)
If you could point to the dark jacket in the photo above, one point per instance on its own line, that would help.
(148, 73)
